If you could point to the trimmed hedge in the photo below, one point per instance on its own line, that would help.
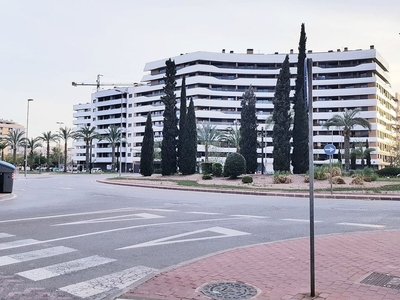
(217, 169)
(247, 179)
(206, 167)
(388, 171)
(235, 165)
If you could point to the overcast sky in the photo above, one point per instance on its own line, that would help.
(47, 44)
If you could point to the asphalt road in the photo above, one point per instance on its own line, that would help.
(70, 235)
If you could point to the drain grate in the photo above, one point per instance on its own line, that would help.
(383, 280)
(229, 290)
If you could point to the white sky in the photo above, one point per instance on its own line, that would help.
(47, 44)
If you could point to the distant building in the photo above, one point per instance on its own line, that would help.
(5, 127)
(216, 82)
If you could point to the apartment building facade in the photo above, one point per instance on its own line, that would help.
(5, 127)
(342, 79)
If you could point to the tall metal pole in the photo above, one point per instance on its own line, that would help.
(27, 137)
(262, 150)
(59, 150)
(309, 63)
(120, 135)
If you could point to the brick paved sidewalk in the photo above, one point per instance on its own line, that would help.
(281, 270)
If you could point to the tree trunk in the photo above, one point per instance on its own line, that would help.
(346, 152)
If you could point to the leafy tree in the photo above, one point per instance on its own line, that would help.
(368, 154)
(281, 118)
(182, 121)
(339, 157)
(170, 129)
(300, 127)
(364, 153)
(147, 151)
(87, 134)
(248, 130)
(66, 134)
(207, 135)
(14, 139)
(113, 136)
(235, 165)
(347, 122)
(189, 141)
(48, 137)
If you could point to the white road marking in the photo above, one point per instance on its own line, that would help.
(130, 217)
(32, 255)
(363, 225)
(5, 235)
(65, 268)
(224, 232)
(18, 243)
(202, 213)
(250, 216)
(35, 242)
(109, 282)
(300, 220)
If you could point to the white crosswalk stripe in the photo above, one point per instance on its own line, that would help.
(5, 235)
(32, 255)
(119, 280)
(65, 268)
(16, 244)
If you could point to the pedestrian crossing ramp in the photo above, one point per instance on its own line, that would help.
(93, 288)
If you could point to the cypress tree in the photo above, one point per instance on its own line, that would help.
(189, 138)
(353, 157)
(248, 130)
(147, 151)
(170, 129)
(367, 154)
(182, 120)
(281, 118)
(300, 126)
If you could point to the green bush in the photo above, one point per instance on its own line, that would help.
(206, 167)
(206, 177)
(388, 171)
(217, 169)
(369, 174)
(282, 177)
(320, 172)
(157, 171)
(235, 165)
(247, 179)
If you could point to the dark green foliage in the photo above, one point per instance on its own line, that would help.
(147, 151)
(339, 157)
(281, 119)
(182, 119)
(247, 179)
(206, 177)
(248, 130)
(353, 157)
(206, 167)
(217, 169)
(187, 159)
(388, 171)
(157, 171)
(367, 154)
(235, 165)
(300, 125)
(170, 129)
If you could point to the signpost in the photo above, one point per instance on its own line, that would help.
(330, 150)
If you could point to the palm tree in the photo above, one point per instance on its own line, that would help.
(32, 144)
(3, 145)
(48, 137)
(88, 134)
(232, 137)
(347, 122)
(207, 135)
(113, 136)
(65, 134)
(363, 153)
(15, 139)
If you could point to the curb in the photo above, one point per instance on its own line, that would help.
(259, 193)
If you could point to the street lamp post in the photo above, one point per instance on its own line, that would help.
(26, 143)
(262, 150)
(120, 134)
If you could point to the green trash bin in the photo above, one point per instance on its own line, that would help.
(6, 177)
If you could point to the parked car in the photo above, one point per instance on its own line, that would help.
(97, 170)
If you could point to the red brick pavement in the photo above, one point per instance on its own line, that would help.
(281, 270)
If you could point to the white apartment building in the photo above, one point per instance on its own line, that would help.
(216, 82)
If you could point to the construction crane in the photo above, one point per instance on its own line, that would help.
(98, 84)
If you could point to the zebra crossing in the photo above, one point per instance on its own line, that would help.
(95, 287)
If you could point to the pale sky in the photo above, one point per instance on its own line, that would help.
(47, 44)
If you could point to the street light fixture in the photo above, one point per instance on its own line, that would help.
(27, 137)
(120, 132)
